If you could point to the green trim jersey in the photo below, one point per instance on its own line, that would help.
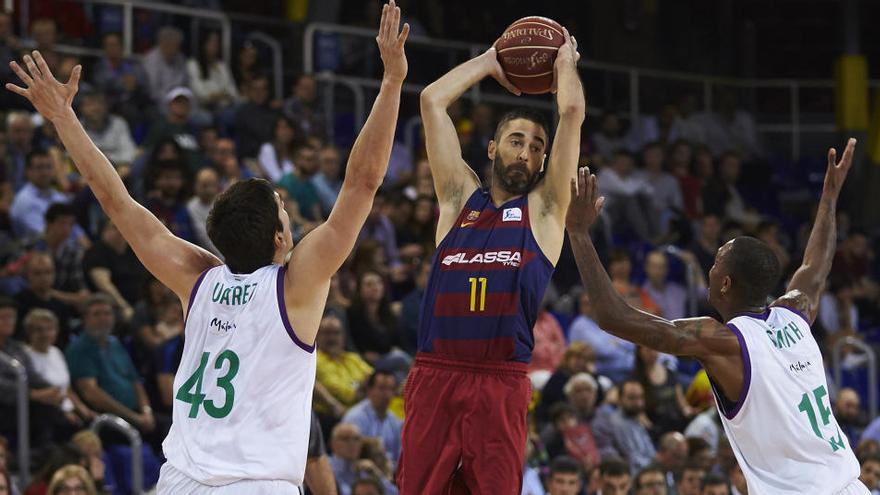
(243, 391)
(781, 428)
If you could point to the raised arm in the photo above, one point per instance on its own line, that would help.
(322, 252)
(552, 195)
(454, 180)
(175, 262)
(706, 339)
(808, 281)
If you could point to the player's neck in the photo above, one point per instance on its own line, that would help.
(500, 195)
(728, 314)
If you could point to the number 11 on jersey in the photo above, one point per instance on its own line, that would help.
(481, 282)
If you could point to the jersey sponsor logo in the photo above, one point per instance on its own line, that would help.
(800, 366)
(506, 258)
(220, 327)
(236, 295)
(785, 337)
(512, 215)
(471, 218)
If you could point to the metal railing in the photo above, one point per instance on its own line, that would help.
(793, 125)
(277, 58)
(23, 418)
(837, 365)
(134, 438)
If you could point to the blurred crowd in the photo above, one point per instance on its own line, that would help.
(97, 334)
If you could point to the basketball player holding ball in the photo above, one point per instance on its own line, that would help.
(467, 395)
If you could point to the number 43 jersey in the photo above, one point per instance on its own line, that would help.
(487, 281)
(243, 391)
(781, 428)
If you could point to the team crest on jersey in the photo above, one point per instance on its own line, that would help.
(512, 215)
(471, 218)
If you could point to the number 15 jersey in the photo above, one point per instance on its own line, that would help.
(781, 428)
(243, 391)
(486, 284)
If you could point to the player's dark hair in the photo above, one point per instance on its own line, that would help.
(651, 468)
(521, 113)
(371, 380)
(713, 480)
(614, 466)
(243, 223)
(565, 465)
(58, 210)
(753, 268)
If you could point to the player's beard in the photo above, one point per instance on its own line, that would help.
(509, 180)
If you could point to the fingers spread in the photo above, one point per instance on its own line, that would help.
(404, 33)
(41, 63)
(32, 67)
(19, 90)
(21, 73)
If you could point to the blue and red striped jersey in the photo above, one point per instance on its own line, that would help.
(486, 285)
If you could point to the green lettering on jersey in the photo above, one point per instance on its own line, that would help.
(236, 295)
(786, 336)
(232, 296)
(224, 299)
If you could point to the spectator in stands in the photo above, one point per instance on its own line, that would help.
(870, 474)
(483, 122)
(721, 196)
(549, 340)
(737, 480)
(165, 65)
(28, 212)
(209, 76)
(714, 484)
(21, 137)
(672, 453)
(102, 370)
(666, 197)
(374, 325)
(379, 228)
(372, 417)
(48, 420)
(700, 453)
(614, 477)
(255, 120)
(411, 309)
(9, 46)
(304, 108)
(620, 433)
(41, 328)
(609, 140)
(614, 356)
(112, 268)
(707, 427)
(168, 200)
(731, 129)
(566, 434)
(620, 271)
(665, 404)
(367, 486)
(176, 124)
(300, 187)
(627, 197)
(566, 477)
(671, 297)
(245, 68)
(327, 181)
(40, 275)
(66, 252)
(168, 324)
(276, 156)
(680, 157)
(582, 392)
(649, 481)
(689, 479)
(345, 442)
(207, 187)
(121, 79)
(226, 162)
(847, 410)
(851, 266)
(338, 372)
(578, 358)
(97, 461)
(44, 32)
(59, 457)
(109, 132)
(707, 242)
(71, 479)
(838, 313)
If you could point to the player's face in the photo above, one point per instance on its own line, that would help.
(518, 155)
(565, 484)
(616, 485)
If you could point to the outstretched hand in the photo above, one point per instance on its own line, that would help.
(837, 170)
(391, 40)
(49, 96)
(585, 204)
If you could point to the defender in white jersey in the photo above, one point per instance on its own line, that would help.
(243, 391)
(764, 364)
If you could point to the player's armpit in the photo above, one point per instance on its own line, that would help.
(800, 303)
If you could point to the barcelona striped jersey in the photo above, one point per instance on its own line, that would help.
(486, 285)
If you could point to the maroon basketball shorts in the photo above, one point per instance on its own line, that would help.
(465, 429)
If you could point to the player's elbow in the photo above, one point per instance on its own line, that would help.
(573, 111)
(431, 98)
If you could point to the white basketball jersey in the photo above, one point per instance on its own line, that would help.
(781, 429)
(243, 392)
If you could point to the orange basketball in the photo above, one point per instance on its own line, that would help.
(527, 51)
